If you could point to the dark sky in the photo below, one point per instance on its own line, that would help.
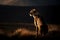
(20, 14)
(19, 10)
(16, 11)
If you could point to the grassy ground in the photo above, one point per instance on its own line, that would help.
(50, 35)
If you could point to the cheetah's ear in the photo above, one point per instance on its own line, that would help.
(34, 9)
(31, 11)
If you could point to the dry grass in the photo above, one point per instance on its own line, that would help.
(26, 32)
